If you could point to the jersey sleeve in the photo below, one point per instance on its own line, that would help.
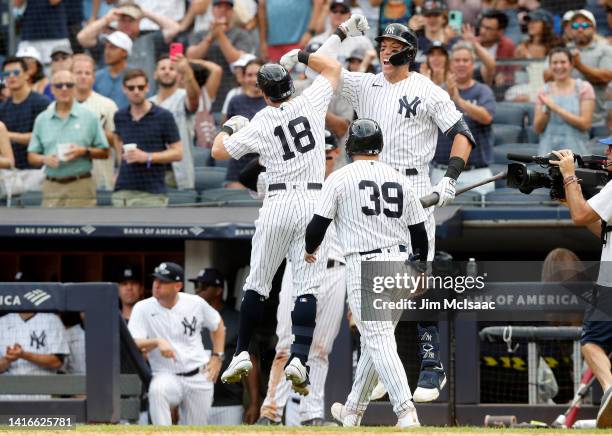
(58, 342)
(602, 203)
(413, 210)
(210, 317)
(328, 201)
(137, 324)
(319, 94)
(350, 87)
(242, 142)
(442, 109)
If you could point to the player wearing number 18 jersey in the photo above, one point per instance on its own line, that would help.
(374, 207)
(289, 136)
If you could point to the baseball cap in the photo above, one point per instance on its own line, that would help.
(218, 2)
(346, 4)
(63, 48)
(331, 142)
(437, 44)
(606, 141)
(540, 15)
(242, 61)
(586, 14)
(433, 7)
(28, 51)
(169, 272)
(128, 273)
(568, 16)
(130, 9)
(357, 53)
(209, 276)
(121, 40)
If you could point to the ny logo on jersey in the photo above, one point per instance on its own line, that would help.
(189, 327)
(38, 340)
(411, 108)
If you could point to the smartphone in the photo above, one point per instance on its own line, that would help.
(455, 20)
(176, 48)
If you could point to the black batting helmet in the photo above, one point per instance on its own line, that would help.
(275, 82)
(331, 142)
(365, 137)
(403, 34)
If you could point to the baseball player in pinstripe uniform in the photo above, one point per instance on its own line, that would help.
(167, 327)
(410, 109)
(329, 317)
(288, 135)
(374, 208)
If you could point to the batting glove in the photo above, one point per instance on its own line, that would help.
(235, 123)
(290, 59)
(357, 25)
(446, 190)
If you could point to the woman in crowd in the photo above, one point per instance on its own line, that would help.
(564, 107)
(437, 64)
(541, 36)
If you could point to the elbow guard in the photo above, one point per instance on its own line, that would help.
(461, 128)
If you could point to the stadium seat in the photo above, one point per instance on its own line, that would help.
(506, 134)
(218, 163)
(29, 199)
(223, 195)
(209, 178)
(499, 152)
(103, 197)
(182, 197)
(599, 132)
(201, 156)
(510, 113)
(532, 136)
(467, 199)
(509, 195)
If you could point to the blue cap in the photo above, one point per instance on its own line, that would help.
(606, 141)
(209, 276)
(169, 272)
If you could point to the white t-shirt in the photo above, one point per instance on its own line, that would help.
(602, 205)
(181, 326)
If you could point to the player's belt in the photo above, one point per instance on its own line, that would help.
(283, 186)
(69, 179)
(189, 373)
(331, 263)
(402, 249)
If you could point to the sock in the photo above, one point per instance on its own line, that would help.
(429, 344)
(303, 321)
(251, 313)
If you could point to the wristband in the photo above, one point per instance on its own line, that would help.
(340, 34)
(303, 57)
(228, 130)
(312, 32)
(571, 179)
(149, 160)
(87, 154)
(455, 166)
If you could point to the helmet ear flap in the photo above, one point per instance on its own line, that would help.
(406, 56)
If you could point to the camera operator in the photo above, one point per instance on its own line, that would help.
(595, 213)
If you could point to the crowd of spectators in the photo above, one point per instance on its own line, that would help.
(161, 75)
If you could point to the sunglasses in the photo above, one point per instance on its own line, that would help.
(9, 73)
(67, 85)
(132, 88)
(59, 57)
(577, 26)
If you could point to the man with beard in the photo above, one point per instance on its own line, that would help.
(178, 92)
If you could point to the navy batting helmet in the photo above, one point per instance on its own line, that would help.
(275, 82)
(403, 34)
(331, 142)
(365, 137)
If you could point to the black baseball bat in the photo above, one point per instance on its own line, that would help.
(431, 199)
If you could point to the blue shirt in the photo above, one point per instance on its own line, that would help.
(152, 133)
(287, 20)
(20, 118)
(482, 155)
(41, 20)
(111, 87)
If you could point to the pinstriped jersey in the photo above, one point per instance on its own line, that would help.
(372, 205)
(409, 113)
(289, 139)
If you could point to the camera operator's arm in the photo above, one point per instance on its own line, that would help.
(582, 213)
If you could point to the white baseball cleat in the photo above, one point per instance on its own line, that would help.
(238, 367)
(409, 420)
(378, 392)
(345, 417)
(430, 384)
(297, 374)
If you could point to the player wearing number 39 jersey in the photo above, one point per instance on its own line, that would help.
(373, 207)
(289, 136)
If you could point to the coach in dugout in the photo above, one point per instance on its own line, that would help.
(595, 214)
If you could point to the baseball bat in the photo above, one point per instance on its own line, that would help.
(431, 199)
